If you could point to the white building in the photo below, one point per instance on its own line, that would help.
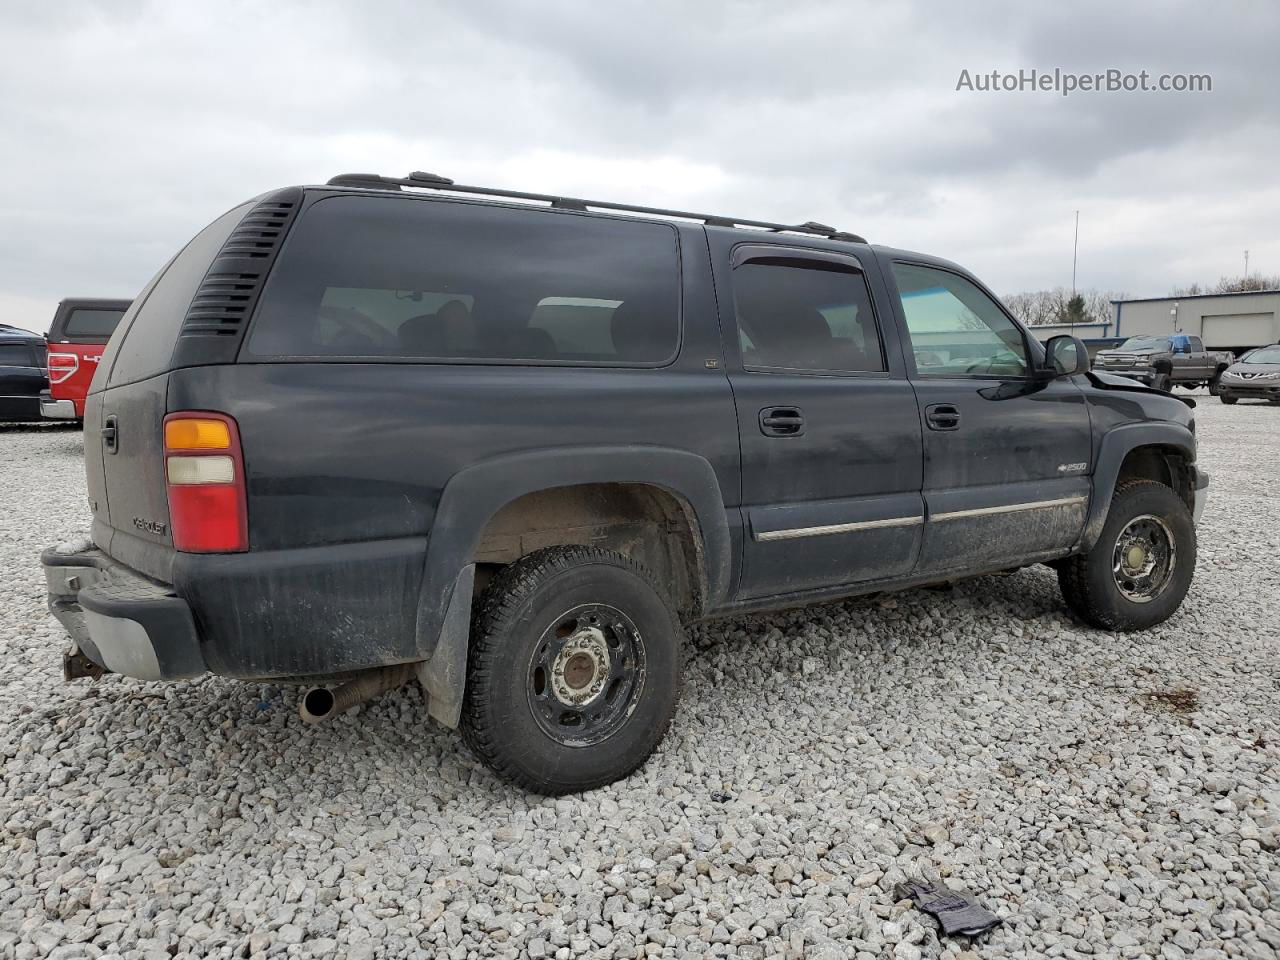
(1224, 321)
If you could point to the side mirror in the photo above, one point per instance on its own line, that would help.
(1065, 356)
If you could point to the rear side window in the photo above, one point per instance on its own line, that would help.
(812, 317)
(374, 277)
(146, 345)
(85, 322)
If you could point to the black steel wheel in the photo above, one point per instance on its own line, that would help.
(586, 674)
(573, 672)
(1144, 558)
(1141, 567)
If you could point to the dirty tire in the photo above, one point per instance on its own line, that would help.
(1215, 382)
(1088, 581)
(1162, 381)
(1228, 400)
(518, 618)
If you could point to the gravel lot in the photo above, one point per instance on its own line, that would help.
(1106, 795)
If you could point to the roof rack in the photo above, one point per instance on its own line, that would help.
(430, 181)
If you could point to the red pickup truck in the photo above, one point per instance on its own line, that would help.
(78, 335)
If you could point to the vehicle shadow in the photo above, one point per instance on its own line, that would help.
(55, 426)
(246, 738)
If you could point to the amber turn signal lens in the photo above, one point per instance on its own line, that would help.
(196, 434)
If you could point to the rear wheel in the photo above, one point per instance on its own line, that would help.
(574, 670)
(1139, 571)
(1214, 382)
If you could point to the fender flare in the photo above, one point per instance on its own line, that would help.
(1117, 444)
(473, 495)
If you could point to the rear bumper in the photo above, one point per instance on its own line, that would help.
(311, 612)
(52, 409)
(121, 620)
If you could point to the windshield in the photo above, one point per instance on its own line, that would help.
(1265, 355)
(1145, 343)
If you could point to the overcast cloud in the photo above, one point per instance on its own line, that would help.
(128, 125)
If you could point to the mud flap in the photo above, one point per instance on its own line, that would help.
(444, 676)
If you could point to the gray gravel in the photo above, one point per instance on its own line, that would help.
(1106, 795)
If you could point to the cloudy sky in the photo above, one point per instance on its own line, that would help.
(128, 124)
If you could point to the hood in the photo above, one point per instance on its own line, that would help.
(1254, 371)
(1107, 381)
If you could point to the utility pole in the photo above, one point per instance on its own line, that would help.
(1075, 249)
(1246, 264)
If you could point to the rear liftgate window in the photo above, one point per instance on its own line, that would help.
(373, 277)
(92, 323)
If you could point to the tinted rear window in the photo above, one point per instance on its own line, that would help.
(391, 277)
(146, 346)
(17, 355)
(85, 322)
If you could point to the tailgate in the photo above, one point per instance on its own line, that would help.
(130, 439)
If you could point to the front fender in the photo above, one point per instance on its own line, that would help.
(473, 495)
(1116, 444)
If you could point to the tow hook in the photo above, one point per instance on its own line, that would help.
(76, 666)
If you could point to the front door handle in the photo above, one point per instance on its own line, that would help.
(942, 416)
(782, 422)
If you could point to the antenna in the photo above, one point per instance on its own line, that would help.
(1075, 249)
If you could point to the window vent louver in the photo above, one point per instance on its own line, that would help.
(231, 287)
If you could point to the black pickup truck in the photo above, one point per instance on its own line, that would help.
(506, 443)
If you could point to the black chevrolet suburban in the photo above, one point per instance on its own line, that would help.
(506, 443)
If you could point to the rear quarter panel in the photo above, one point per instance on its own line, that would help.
(345, 452)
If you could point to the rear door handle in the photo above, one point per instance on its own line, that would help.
(110, 433)
(782, 422)
(942, 416)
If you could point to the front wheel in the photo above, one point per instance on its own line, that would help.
(1162, 381)
(1139, 571)
(574, 670)
(1227, 400)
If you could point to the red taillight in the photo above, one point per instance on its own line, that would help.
(204, 470)
(62, 366)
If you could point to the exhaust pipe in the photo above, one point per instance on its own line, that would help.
(321, 703)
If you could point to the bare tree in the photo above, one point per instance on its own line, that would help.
(1247, 284)
(1037, 308)
(1230, 285)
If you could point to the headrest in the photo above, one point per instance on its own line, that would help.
(420, 335)
(629, 326)
(534, 343)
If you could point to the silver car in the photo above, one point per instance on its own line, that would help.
(1255, 376)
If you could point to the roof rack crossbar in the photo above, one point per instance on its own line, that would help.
(431, 181)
